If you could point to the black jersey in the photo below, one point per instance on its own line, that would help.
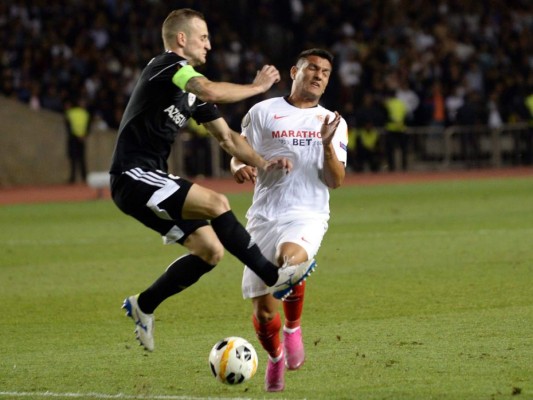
(154, 115)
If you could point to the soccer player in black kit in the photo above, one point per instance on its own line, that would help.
(168, 93)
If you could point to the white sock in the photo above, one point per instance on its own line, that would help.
(290, 330)
(276, 359)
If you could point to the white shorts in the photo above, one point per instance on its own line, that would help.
(269, 235)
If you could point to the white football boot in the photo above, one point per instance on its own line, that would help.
(144, 323)
(290, 276)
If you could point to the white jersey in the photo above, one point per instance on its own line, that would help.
(275, 128)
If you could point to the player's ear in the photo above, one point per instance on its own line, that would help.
(181, 39)
(294, 70)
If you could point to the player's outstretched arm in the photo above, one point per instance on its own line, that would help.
(237, 146)
(226, 92)
(233, 144)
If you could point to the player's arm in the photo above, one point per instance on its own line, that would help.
(186, 78)
(242, 172)
(334, 170)
(237, 146)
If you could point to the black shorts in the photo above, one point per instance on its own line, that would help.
(156, 199)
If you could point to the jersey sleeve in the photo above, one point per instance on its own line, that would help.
(340, 141)
(246, 125)
(249, 126)
(162, 68)
(206, 112)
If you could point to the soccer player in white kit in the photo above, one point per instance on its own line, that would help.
(290, 211)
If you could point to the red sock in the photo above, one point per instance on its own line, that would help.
(268, 335)
(293, 306)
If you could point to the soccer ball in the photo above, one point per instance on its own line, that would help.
(233, 360)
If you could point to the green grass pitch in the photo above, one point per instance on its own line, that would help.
(422, 291)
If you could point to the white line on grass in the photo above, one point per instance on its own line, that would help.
(110, 396)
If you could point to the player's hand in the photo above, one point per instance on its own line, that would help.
(279, 163)
(245, 173)
(327, 130)
(266, 77)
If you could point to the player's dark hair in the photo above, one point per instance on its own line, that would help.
(315, 52)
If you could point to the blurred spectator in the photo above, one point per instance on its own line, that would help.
(453, 102)
(495, 120)
(349, 71)
(78, 124)
(348, 113)
(367, 148)
(48, 48)
(474, 78)
(473, 114)
(370, 119)
(35, 98)
(371, 111)
(198, 150)
(52, 99)
(395, 131)
(436, 106)
(411, 100)
(345, 46)
(527, 136)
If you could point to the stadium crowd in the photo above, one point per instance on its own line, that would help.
(435, 56)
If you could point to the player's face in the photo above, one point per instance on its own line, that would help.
(311, 77)
(198, 43)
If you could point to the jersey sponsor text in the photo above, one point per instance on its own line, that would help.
(175, 115)
(295, 134)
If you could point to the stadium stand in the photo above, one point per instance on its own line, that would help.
(53, 51)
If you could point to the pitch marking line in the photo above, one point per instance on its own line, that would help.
(109, 396)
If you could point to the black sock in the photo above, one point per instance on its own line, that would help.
(236, 239)
(181, 274)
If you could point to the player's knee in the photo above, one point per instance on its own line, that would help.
(220, 204)
(212, 253)
(264, 315)
(204, 243)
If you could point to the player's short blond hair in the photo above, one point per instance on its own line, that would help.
(178, 21)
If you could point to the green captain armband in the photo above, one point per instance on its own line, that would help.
(183, 75)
